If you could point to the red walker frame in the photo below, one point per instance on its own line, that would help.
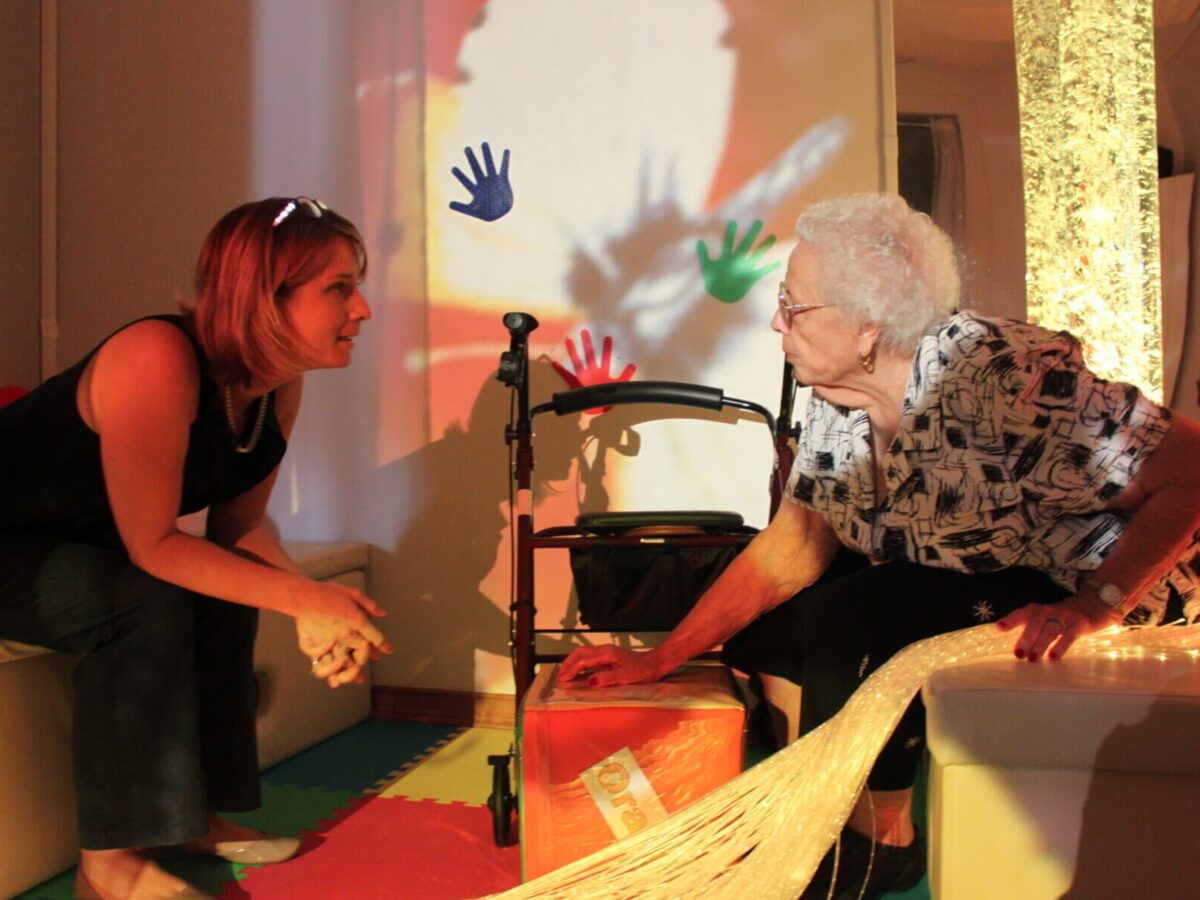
(513, 371)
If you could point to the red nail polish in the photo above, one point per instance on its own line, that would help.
(1054, 654)
(1020, 654)
(1033, 657)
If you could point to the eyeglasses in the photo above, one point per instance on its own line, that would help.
(789, 311)
(315, 208)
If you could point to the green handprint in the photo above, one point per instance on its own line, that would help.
(730, 276)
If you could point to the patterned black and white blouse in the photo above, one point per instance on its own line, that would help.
(1007, 451)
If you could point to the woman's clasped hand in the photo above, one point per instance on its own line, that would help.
(334, 630)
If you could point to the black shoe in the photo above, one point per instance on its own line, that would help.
(759, 726)
(761, 729)
(893, 870)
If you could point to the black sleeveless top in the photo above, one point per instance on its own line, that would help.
(50, 473)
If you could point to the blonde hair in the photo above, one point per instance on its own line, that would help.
(250, 263)
(882, 261)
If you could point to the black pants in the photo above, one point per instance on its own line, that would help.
(165, 696)
(832, 635)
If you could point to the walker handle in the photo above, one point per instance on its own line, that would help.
(622, 392)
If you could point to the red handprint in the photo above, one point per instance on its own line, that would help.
(587, 371)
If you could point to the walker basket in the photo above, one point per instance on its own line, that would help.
(652, 585)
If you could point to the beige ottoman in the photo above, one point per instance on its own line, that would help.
(37, 798)
(1076, 778)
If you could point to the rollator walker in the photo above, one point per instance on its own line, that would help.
(705, 540)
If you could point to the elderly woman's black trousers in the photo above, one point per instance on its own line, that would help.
(163, 728)
(832, 635)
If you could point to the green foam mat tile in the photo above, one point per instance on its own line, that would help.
(57, 888)
(357, 759)
(288, 809)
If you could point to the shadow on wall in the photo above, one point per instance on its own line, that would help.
(1138, 828)
(455, 513)
(445, 575)
(644, 286)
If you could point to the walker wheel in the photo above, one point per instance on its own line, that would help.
(501, 801)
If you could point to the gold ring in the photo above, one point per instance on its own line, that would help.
(316, 661)
(1058, 622)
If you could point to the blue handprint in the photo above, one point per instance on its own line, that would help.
(731, 275)
(491, 194)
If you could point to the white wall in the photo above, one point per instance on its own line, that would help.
(153, 126)
(984, 98)
(611, 118)
(172, 111)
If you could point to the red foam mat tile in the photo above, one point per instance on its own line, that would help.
(390, 848)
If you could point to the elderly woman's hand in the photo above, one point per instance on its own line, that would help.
(608, 664)
(1049, 630)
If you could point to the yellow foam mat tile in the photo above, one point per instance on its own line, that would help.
(456, 772)
(388, 780)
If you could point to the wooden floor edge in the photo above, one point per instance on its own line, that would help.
(442, 707)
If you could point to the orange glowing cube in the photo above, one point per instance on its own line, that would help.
(598, 764)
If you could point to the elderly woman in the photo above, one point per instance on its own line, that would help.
(953, 470)
(170, 415)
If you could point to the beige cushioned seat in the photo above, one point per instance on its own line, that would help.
(1079, 777)
(37, 797)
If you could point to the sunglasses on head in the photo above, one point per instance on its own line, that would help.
(315, 208)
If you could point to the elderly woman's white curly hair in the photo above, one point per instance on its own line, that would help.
(883, 262)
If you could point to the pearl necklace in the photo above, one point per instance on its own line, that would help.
(259, 419)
